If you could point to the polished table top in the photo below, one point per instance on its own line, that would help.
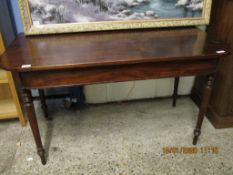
(107, 48)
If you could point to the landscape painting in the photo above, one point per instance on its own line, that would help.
(137, 13)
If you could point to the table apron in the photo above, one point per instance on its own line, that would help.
(116, 73)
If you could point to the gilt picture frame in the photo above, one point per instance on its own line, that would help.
(67, 16)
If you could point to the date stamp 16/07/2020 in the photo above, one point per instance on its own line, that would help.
(191, 150)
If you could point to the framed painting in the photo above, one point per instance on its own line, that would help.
(65, 16)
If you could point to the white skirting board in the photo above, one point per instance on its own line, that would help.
(110, 92)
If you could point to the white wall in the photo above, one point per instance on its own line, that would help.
(110, 92)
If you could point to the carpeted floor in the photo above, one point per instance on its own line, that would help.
(125, 138)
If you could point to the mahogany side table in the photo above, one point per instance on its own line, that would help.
(87, 58)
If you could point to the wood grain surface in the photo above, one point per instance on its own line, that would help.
(107, 48)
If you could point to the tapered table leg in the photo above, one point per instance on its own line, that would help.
(203, 107)
(29, 107)
(175, 92)
(43, 103)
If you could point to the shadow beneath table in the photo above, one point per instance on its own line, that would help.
(48, 137)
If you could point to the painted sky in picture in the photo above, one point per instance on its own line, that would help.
(78, 11)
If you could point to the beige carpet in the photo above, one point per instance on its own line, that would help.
(125, 138)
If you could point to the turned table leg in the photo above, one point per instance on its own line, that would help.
(43, 103)
(29, 107)
(175, 92)
(203, 107)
